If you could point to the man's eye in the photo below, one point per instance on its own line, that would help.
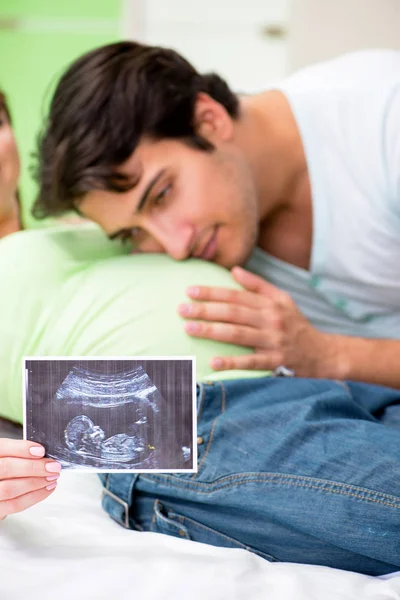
(159, 198)
(129, 235)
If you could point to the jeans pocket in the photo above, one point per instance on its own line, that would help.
(167, 521)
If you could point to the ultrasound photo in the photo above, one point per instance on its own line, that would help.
(113, 414)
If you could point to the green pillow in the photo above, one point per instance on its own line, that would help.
(71, 292)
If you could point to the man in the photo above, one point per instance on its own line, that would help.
(308, 173)
(285, 182)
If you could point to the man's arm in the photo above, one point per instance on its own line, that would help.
(266, 319)
(372, 361)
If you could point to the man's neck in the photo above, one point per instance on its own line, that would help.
(270, 139)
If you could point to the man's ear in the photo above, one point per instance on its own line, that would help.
(212, 120)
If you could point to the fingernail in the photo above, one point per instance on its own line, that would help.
(185, 309)
(37, 451)
(52, 477)
(216, 363)
(51, 486)
(191, 327)
(193, 291)
(53, 467)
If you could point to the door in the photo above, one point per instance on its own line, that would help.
(245, 42)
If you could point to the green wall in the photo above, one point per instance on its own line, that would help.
(38, 38)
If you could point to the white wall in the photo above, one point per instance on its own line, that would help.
(227, 36)
(321, 29)
(236, 38)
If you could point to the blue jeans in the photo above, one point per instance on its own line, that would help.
(295, 470)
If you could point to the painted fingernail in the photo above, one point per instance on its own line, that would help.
(193, 291)
(191, 327)
(52, 477)
(51, 486)
(53, 467)
(185, 309)
(216, 363)
(37, 450)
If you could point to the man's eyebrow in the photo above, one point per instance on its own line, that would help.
(142, 201)
(148, 189)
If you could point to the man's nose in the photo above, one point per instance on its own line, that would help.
(175, 239)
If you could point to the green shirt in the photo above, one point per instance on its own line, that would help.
(70, 291)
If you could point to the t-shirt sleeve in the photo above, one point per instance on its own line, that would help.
(391, 142)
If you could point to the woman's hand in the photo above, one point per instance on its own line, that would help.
(26, 478)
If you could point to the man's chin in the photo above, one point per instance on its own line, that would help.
(230, 262)
(241, 259)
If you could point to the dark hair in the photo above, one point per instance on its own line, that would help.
(4, 105)
(103, 105)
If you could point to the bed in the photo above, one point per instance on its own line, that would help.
(67, 547)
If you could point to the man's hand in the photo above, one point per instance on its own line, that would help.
(261, 317)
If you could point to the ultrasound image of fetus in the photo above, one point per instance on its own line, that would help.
(84, 437)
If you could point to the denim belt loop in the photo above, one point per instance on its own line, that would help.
(117, 496)
(200, 390)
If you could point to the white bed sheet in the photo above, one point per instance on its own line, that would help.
(67, 548)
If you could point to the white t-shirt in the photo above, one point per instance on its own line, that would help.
(348, 114)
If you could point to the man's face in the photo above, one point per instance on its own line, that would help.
(187, 202)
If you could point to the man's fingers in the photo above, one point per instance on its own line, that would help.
(231, 313)
(21, 503)
(229, 296)
(13, 488)
(255, 283)
(267, 361)
(241, 335)
(224, 313)
(20, 448)
(257, 292)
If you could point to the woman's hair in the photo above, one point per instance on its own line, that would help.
(4, 105)
(103, 105)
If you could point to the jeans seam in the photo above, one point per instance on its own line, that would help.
(223, 399)
(296, 481)
(201, 402)
(223, 402)
(345, 386)
(183, 520)
(165, 519)
(128, 499)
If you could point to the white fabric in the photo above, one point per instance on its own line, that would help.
(348, 114)
(68, 548)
